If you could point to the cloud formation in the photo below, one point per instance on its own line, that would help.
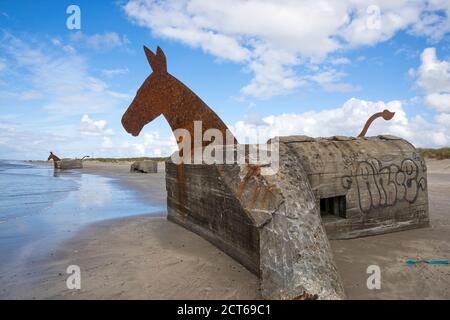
(273, 38)
(346, 120)
(93, 127)
(114, 72)
(150, 144)
(101, 41)
(59, 74)
(433, 77)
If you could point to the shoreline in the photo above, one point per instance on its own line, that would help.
(148, 257)
(134, 257)
(150, 186)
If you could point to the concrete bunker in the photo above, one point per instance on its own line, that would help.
(365, 186)
(144, 166)
(278, 224)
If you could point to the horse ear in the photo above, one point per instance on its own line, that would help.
(150, 55)
(157, 61)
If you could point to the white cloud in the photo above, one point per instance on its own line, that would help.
(153, 145)
(272, 38)
(433, 74)
(330, 78)
(342, 60)
(433, 77)
(105, 41)
(107, 143)
(91, 127)
(340, 87)
(19, 142)
(434, 22)
(347, 120)
(61, 77)
(439, 101)
(114, 72)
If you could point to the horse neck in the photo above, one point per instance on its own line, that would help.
(186, 108)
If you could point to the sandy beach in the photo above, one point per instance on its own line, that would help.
(147, 257)
(389, 251)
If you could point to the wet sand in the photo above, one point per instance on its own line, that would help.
(150, 186)
(147, 257)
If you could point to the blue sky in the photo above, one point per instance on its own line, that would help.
(266, 67)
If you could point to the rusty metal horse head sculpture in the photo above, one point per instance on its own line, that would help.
(162, 93)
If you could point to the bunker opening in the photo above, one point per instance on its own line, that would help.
(333, 206)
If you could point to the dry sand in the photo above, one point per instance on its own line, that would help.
(150, 258)
(389, 251)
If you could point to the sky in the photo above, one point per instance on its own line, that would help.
(267, 68)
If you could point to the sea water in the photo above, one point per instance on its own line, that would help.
(40, 207)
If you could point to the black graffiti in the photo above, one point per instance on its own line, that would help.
(379, 186)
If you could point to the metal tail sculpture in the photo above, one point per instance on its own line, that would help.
(386, 114)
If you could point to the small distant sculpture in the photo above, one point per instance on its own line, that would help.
(386, 114)
(53, 157)
(59, 163)
(162, 93)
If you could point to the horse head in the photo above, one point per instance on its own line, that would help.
(152, 98)
(53, 157)
(162, 93)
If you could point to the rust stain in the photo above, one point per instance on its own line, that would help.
(163, 94)
(255, 194)
(306, 296)
(181, 184)
(241, 189)
(251, 171)
(386, 114)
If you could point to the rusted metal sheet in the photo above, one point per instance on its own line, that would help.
(162, 93)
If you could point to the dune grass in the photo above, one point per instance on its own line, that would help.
(126, 159)
(439, 154)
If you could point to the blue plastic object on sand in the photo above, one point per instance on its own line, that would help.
(413, 262)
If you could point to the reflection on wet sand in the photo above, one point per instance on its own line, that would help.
(41, 207)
